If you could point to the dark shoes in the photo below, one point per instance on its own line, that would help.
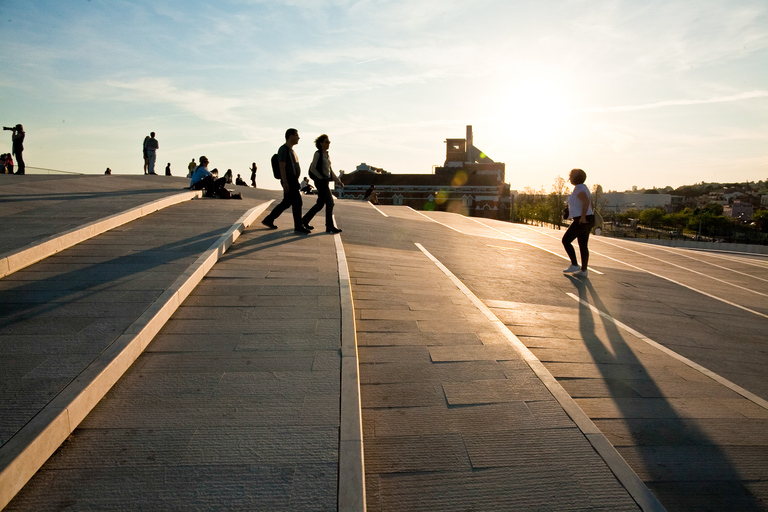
(333, 230)
(307, 226)
(269, 224)
(301, 230)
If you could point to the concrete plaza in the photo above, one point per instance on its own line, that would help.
(487, 379)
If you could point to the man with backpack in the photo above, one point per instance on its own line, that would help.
(286, 168)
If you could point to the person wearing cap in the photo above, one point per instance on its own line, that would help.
(203, 179)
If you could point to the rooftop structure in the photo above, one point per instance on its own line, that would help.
(469, 182)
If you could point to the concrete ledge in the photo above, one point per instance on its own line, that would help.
(351, 489)
(25, 453)
(16, 260)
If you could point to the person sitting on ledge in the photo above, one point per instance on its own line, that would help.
(203, 179)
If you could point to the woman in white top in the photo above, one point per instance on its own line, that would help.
(322, 174)
(580, 210)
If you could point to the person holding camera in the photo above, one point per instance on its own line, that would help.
(18, 145)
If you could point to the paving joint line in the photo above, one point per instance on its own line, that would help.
(351, 485)
(14, 261)
(612, 458)
(26, 452)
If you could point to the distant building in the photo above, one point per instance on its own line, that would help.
(469, 183)
(738, 210)
(619, 202)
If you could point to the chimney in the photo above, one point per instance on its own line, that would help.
(470, 158)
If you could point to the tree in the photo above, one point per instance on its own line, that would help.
(558, 199)
(599, 201)
(652, 217)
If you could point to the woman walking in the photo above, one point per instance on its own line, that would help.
(321, 173)
(580, 210)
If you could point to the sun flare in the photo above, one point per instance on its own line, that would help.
(533, 111)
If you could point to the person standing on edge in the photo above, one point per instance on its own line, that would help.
(289, 179)
(192, 166)
(17, 138)
(145, 154)
(253, 174)
(321, 172)
(152, 147)
(580, 210)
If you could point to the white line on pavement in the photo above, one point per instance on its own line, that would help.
(526, 242)
(709, 373)
(374, 207)
(682, 267)
(615, 462)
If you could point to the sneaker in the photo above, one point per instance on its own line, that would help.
(269, 224)
(333, 230)
(581, 273)
(572, 269)
(302, 231)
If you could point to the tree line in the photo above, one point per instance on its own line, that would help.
(539, 207)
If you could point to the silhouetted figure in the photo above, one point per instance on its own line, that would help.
(253, 174)
(17, 138)
(152, 146)
(108, 171)
(239, 181)
(289, 179)
(371, 195)
(202, 179)
(191, 167)
(304, 186)
(168, 169)
(322, 174)
(228, 175)
(580, 210)
(145, 154)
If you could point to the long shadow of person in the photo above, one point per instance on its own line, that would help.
(681, 464)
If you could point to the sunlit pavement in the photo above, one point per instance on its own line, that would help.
(489, 380)
(697, 440)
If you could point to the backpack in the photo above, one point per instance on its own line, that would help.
(275, 167)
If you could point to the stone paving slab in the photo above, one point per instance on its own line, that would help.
(444, 415)
(697, 444)
(74, 320)
(34, 207)
(234, 390)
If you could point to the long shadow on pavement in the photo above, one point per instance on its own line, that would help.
(711, 481)
(51, 329)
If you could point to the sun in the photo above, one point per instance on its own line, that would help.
(533, 111)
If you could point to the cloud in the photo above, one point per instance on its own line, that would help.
(676, 103)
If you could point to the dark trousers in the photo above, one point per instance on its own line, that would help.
(324, 198)
(291, 199)
(19, 163)
(211, 185)
(581, 232)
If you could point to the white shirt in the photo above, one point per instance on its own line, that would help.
(574, 203)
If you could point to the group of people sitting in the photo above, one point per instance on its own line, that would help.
(203, 179)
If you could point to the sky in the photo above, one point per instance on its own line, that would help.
(650, 93)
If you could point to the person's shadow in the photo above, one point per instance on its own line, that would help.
(681, 464)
